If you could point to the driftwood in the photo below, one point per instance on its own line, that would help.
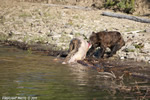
(138, 19)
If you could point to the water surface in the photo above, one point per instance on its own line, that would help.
(40, 77)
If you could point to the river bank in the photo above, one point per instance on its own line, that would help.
(55, 26)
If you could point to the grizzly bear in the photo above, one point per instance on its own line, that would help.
(105, 39)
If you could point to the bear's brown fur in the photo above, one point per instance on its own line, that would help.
(104, 39)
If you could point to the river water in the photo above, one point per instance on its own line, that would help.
(26, 76)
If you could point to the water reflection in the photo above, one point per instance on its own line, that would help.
(24, 75)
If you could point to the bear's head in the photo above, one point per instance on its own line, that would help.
(93, 38)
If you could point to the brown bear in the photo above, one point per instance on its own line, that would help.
(104, 39)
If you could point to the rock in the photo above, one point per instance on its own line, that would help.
(131, 55)
(140, 58)
(130, 48)
(58, 26)
(146, 48)
(147, 58)
(122, 58)
(147, 30)
(68, 30)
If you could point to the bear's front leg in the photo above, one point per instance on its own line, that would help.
(91, 51)
(114, 50)
(102, 52)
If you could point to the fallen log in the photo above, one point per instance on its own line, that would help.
(142, 76)
(89, 65)
(123, 16)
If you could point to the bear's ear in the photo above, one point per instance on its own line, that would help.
(93, 32)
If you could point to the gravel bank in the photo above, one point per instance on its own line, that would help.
(39, 23)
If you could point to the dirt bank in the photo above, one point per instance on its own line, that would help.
(142, 7)
(31, 23)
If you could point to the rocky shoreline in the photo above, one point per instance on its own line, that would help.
(54, 27)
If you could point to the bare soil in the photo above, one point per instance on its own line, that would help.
(142, 7)
(57, 25)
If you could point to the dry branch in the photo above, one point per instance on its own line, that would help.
(123, 16)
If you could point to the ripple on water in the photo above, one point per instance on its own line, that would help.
(23, 74)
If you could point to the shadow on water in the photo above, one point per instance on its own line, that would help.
(27, 75)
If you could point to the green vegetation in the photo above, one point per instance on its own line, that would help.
(40, 39)
(29, 50)
(126, 6)
(139, 46)
(129, 50)
(2, 19)
(3, 37)
(109, 3)
(46, 14)
(77, 34)
(24, 15)
(35, 39)
(70, 22)
(76, 17)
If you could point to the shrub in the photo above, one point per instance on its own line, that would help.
(126, 6)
